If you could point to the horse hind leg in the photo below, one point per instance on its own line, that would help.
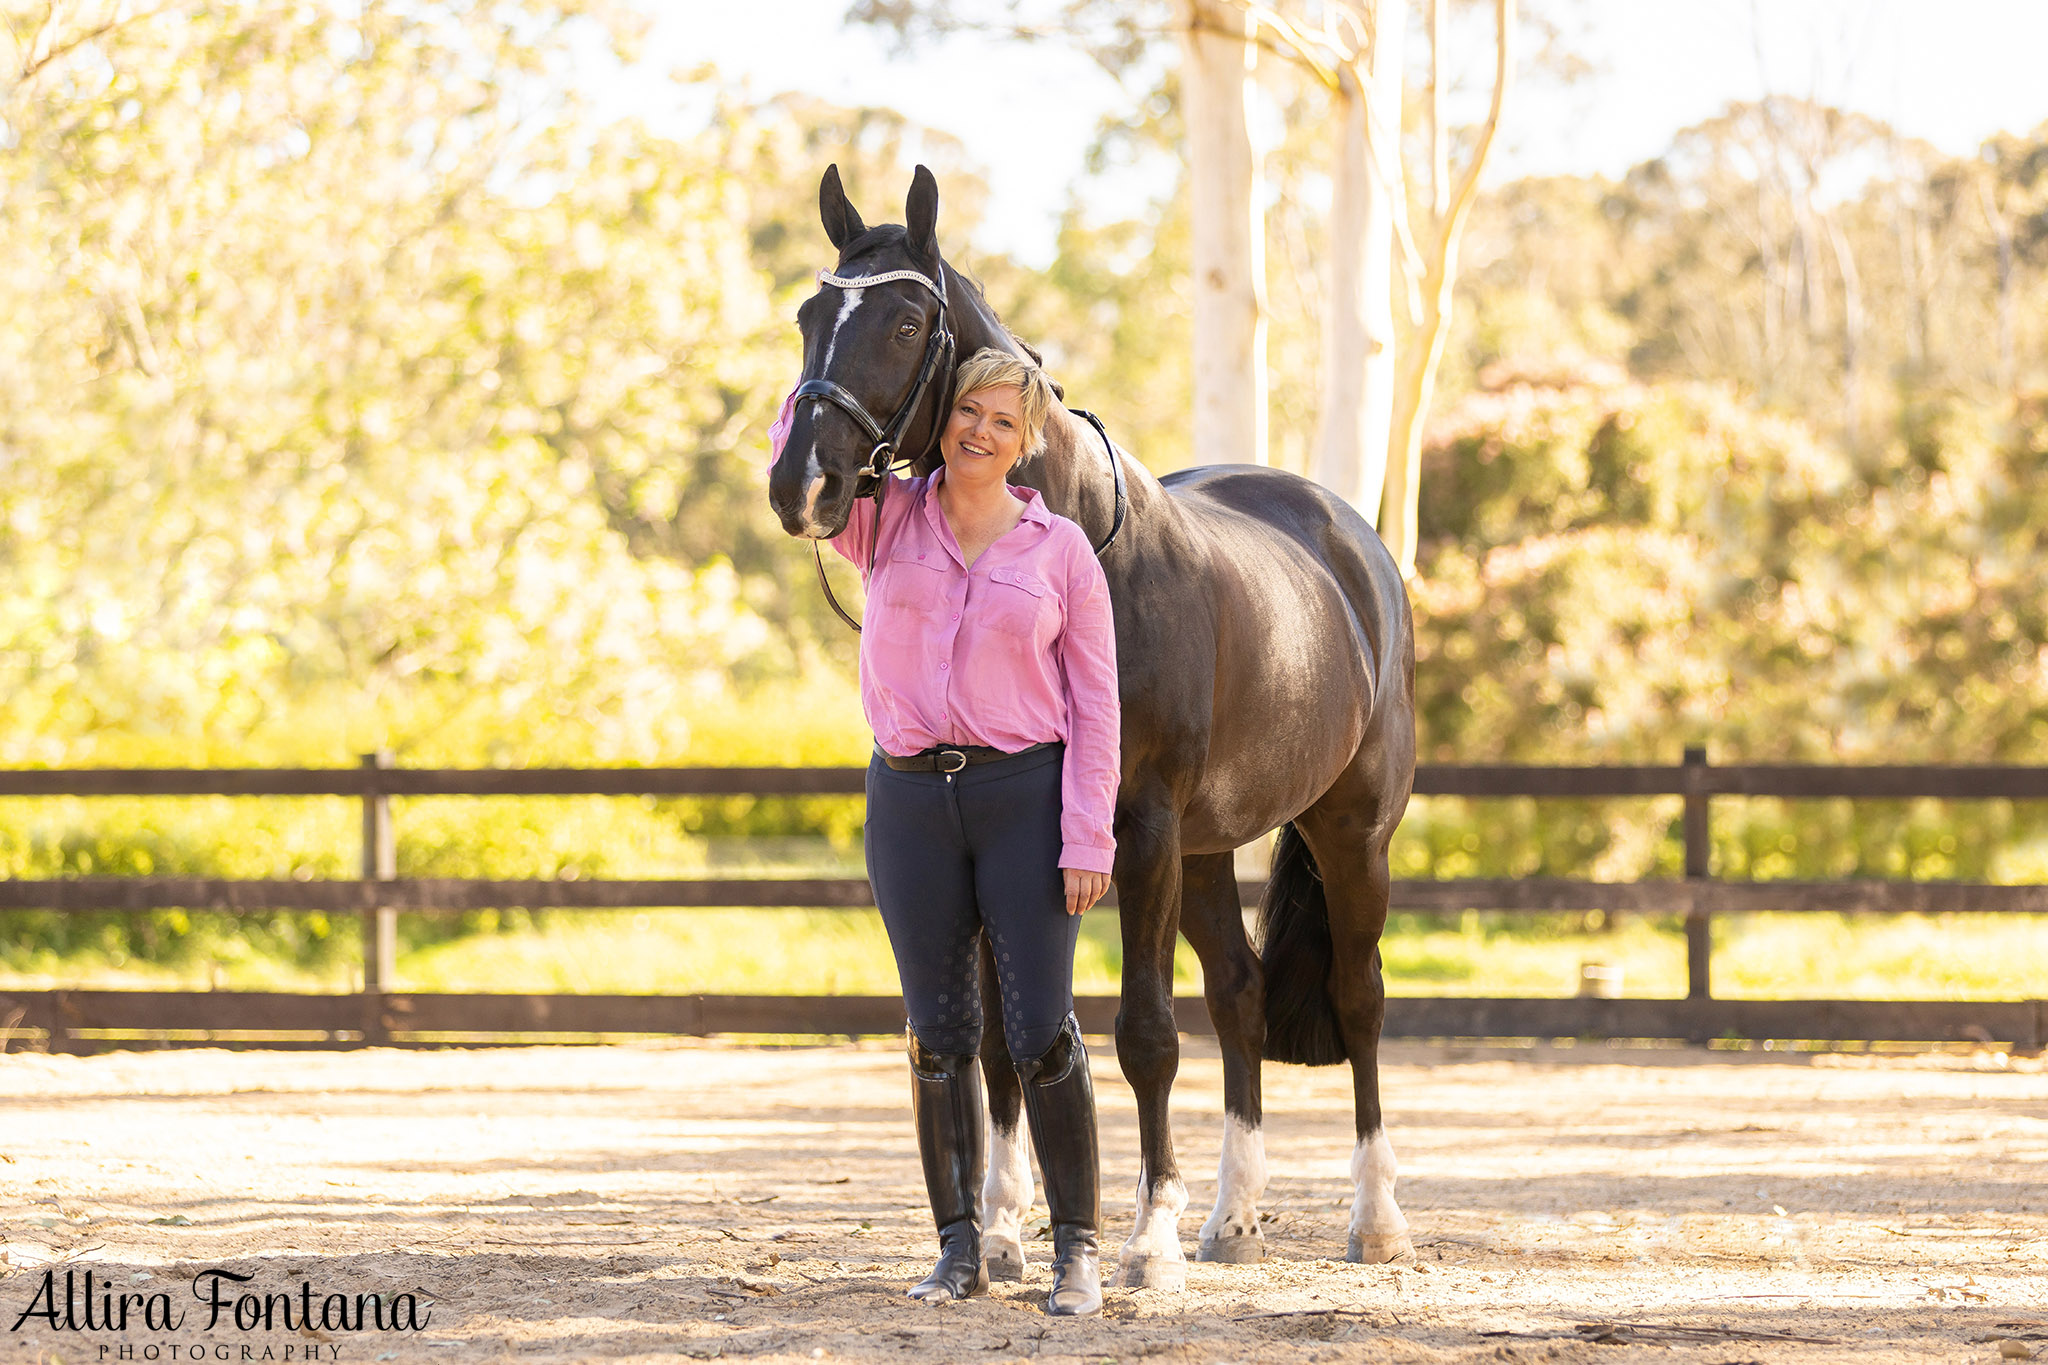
(1006, 1181)
(1347, 832)
(1212, 918)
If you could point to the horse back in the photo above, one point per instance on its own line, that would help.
(1281, 598)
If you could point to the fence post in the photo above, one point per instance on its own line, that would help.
(1699, 940)
(380, 923)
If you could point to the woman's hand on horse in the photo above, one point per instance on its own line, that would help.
(1084, 888)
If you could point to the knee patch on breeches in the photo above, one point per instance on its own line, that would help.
(941, 1047)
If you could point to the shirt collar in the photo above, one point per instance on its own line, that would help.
(1035, 509)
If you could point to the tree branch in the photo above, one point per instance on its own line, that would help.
(1319, 55)
(44, 53)
(1386, 151)
(1400, 512)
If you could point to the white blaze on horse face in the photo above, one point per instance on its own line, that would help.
(1152, 1254)
(1378, 1230)
(1005, 1193)
(814, 484)
(846, 307)
(1240, 1181)
(814, 472)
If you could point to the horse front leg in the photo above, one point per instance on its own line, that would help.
(1148, 885)
(1006, 1181)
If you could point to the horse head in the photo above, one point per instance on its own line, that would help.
(878, 362)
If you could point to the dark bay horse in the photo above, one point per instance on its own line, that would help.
(1267, 664)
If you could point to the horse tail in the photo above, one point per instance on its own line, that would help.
(1294, 949)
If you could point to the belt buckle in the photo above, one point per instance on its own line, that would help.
(945, 754)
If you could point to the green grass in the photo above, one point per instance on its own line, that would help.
(677, 952)
(825, 952)
(1758, 957)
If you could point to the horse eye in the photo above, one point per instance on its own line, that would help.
(908, 329)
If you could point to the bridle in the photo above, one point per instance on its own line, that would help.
(938, 356)
(885, 454)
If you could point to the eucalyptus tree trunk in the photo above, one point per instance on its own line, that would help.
(1228, 265)
(1853, 326)
(1350, 455)
(2001, 231)
(1400, 514)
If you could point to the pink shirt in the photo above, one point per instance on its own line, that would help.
(1017, 649)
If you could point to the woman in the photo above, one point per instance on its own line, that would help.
(988, 673)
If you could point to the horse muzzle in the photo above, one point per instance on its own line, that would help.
(809, 502)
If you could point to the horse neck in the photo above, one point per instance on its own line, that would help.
(1073, 472)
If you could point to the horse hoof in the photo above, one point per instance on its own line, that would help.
(1245, 1248)
(1153, 1272)
(1380, 1250)
(1005, 1261)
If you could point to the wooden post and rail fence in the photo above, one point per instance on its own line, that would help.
(381, 1014)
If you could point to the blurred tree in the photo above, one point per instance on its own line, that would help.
(355, 371)
(1612, 570)
(355, 366)
(1368, 195)
(1226, 280)
(1226, 232)
(1398, 518)
(1368, 405)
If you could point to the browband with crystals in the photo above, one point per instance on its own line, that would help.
(863, 281)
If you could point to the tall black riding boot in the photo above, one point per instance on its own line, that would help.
(946, 1105)
(1059, 1096)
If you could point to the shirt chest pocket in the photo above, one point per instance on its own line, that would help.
(1014, 602)
(915, 581)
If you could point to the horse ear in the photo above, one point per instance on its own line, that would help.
(921, 215)
(842, 221)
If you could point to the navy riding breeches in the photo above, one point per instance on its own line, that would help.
(952, 855)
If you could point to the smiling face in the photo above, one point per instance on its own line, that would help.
(985, 435)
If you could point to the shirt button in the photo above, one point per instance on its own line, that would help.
(942, 667)
(920, 554)
(956, 616)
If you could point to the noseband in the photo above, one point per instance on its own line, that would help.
(885, 454)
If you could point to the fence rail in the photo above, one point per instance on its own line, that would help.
(1791, 780)
(379, 1014)
(82, 1020)
(455, 895)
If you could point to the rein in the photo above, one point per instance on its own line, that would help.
(1116, 470)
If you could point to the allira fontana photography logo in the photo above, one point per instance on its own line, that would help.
(219, 1301)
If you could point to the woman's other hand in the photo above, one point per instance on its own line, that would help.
(1084, 888)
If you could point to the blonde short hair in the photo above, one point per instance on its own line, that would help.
(990, 368)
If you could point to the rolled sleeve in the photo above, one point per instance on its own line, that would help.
(855, 544)
(854, 541)
(1093, 759)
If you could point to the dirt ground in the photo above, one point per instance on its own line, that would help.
(699, 1200)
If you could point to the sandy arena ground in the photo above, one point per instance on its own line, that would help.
(699, 1200)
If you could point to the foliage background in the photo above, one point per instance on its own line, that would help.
(367, 390)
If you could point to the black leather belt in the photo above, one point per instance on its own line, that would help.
(951, 758)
